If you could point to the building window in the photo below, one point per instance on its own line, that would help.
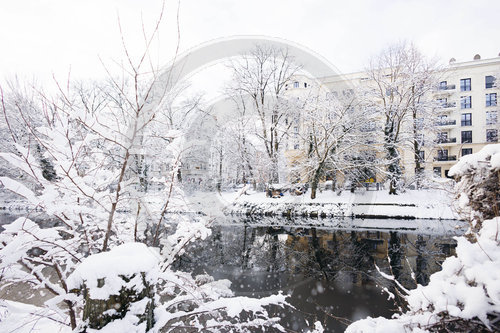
(442, 137)
(465, 85)
(492, 135)
(296, 84)
(466, 151)
(437, 171)
(491, 99)
(421, 155)
(466, 119)
(465, 102)
(442, 155)
(466, 136)
(442, 85)
(368, 127)
(491, 117)
(442, 120)
(296, 146)
(348, 92)
(305, 84)
(489, 81)
(442, 102)
(332, 95)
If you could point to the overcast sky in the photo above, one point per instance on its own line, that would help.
(40, 37)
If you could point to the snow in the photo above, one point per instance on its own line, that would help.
(124, 260)
(421, 204)
(18, 188)
(129, 323)
(475, 161)
(24, 318)
(495, 161)
(236, 305)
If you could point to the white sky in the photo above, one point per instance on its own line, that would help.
(41, 37)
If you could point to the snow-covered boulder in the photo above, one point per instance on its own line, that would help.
(118, 287)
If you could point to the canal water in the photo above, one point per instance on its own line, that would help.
(328, 267)
(329, 273)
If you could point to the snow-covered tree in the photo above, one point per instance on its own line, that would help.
(242, 131)
(264, 75)
(333, 134)
(401, 80)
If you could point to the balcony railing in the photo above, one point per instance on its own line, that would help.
(446, 140)
(445, 158)
(446, 123)
(447, 87)
(449, 105)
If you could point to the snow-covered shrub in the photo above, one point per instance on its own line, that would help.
(478, 183)
(465, 295)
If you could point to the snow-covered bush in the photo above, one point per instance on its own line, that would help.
(465, 295)
(478, 177)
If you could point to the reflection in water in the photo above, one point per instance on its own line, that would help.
(329, 273)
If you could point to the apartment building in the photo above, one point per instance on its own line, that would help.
(468, 119)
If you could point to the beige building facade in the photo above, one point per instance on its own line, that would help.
(467, 111)
(469, 116)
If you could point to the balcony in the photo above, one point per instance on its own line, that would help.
(449, 105)
(445, 158)
(446, 140)
(446, 122)
(447, 87)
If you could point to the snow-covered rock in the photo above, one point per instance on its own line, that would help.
(125, 260)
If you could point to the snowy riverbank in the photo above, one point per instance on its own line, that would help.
(423, 204)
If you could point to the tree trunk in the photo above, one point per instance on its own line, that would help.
(392, 156)
(416, 147)
(393, 168)
(392, 187)
(219, 182)
(315, 181)
(418, 166)
(274, 170)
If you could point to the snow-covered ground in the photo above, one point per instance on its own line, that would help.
(27, 318)
(422, 204)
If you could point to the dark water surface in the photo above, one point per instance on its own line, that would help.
(329, 273)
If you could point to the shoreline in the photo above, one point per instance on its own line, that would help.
(412, 205)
